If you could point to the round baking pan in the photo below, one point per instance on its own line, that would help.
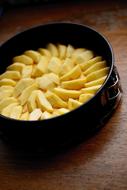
(79, 122)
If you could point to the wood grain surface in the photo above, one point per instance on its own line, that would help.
(100, 163)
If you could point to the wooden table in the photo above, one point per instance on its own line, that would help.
(100, 163)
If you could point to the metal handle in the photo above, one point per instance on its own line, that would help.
(114, 90)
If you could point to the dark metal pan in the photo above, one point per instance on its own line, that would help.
(79, 122)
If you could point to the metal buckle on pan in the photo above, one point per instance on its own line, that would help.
(111, 96)
(114, 90)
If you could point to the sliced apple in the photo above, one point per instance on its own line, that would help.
(97, 74)
(95, 82)
(6, 87)
(23, 59)
(8, 109)
(24, 116)
(16, 67)
(83, 57)
(66, 94)
(62, 51)
(69, 51)
(21, 85)
(62, 111)
(73, 74)
(44, 52)
(7, 82)
(16, 112)
(66, 66)
(53, 49)
(97, 66)
(41, 67)
(35, 114)
(34, 55)
(14, 75)
(46, 115)
(43, 103)
(5, 102)
(54, 65)
(25, 108)
(32, 104)
(74, 84)
(85, 65)
(92, 89)
(26, 93)
(73, 104)
(6, 93)
(48, 81)
(85, 97)
(55, 100)
(27, 71)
